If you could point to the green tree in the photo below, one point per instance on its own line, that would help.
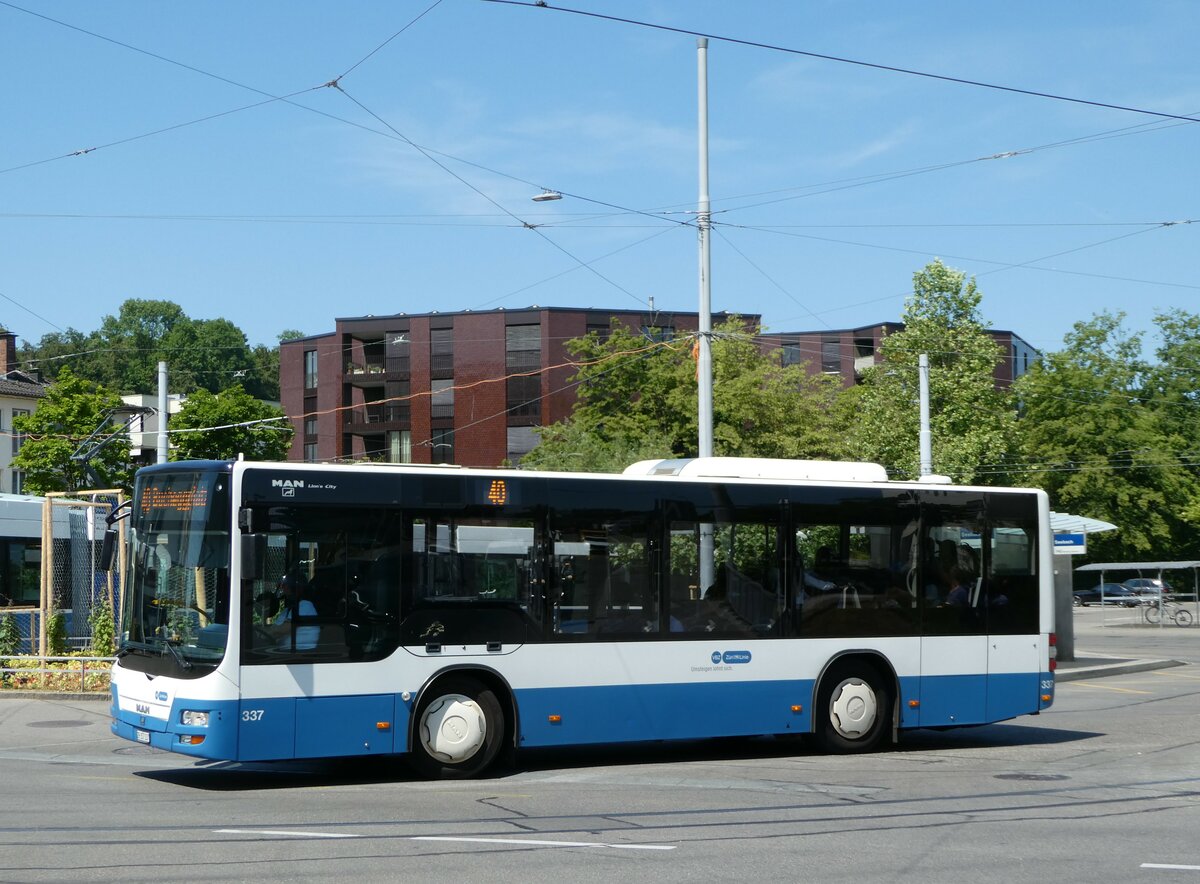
(1173, 390)
(68, 349)
(205, 354)
(1101, 448)
(123, 354)
(72, 409)
(132, 343)
(217, 426)
(970, 420)
(637, 400)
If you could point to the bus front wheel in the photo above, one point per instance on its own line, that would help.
(459, 729)
(853, 708)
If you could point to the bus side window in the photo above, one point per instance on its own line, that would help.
(601, 579)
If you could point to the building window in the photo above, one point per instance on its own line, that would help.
(18, 438)
(524, 396)
(310, 426)
(603, 332)
(523, 347)
(310, 369)
(441, 351)
(397, 394)
(790, 353)
(441, 402)
(658, 333)
(397, 352)
(310, 452)
(442, 443)
(521, 441)
(400, 446)
(831, 355)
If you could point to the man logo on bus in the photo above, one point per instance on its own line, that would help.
(287, 483)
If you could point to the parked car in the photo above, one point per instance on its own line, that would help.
(1108, 594)
(1148, 586)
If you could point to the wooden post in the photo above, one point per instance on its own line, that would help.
(47, 587)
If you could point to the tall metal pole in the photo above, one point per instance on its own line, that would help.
(926, 442)
(704, 412)
(704, 380)
(162, 413)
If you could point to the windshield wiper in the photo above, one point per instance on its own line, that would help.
(184, 663)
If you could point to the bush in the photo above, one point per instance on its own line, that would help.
(65, 677)
(104, 633)
(10, 640)
(56, 634)
(10, 636)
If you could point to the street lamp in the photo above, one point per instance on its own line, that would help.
(547, 195)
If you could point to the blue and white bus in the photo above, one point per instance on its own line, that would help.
(284, 611)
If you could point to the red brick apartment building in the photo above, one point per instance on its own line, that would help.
(470, 387)
(466, 388)
(846, 352)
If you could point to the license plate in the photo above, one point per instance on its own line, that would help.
(142, 736)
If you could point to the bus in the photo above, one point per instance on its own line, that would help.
(279, 611)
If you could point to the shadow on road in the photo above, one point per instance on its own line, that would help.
(237, 777)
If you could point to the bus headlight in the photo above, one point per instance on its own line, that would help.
(193, 719)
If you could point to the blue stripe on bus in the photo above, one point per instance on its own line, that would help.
(315, 727)
(662, 712)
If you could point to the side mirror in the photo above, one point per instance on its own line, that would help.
(253, 554)
(108, 549)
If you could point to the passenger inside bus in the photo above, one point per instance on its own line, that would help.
(294, 605)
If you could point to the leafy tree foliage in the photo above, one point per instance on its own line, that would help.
(637, 400)
(970, 420)
(123, 354)
(1103, 433)
(72, 410)
(227, 424)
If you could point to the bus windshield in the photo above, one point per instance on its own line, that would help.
(176, 616)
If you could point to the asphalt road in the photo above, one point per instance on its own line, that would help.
(1103, 787)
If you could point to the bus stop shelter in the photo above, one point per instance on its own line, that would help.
(1067, 525)
(1189, 596)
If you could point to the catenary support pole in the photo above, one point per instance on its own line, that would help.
(162, 413)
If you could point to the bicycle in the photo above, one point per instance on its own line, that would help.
(1179, 615)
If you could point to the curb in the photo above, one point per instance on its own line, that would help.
(1117, 667)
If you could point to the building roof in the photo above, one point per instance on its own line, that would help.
(1138, 566)
(535, 308)
(1071, 524)
(891, 325)
(17, 383)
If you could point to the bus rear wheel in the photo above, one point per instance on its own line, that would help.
(460, 726)
(853, 708)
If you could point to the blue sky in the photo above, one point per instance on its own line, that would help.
(831, 182)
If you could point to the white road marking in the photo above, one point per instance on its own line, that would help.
(283, 832)
(531, 843)
(1170, 866)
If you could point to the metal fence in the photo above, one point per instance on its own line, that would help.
(63, 674)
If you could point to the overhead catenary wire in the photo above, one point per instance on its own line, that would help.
(962, 81)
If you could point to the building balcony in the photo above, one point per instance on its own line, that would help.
(862, 363)
(375, 372)
(377, 418)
